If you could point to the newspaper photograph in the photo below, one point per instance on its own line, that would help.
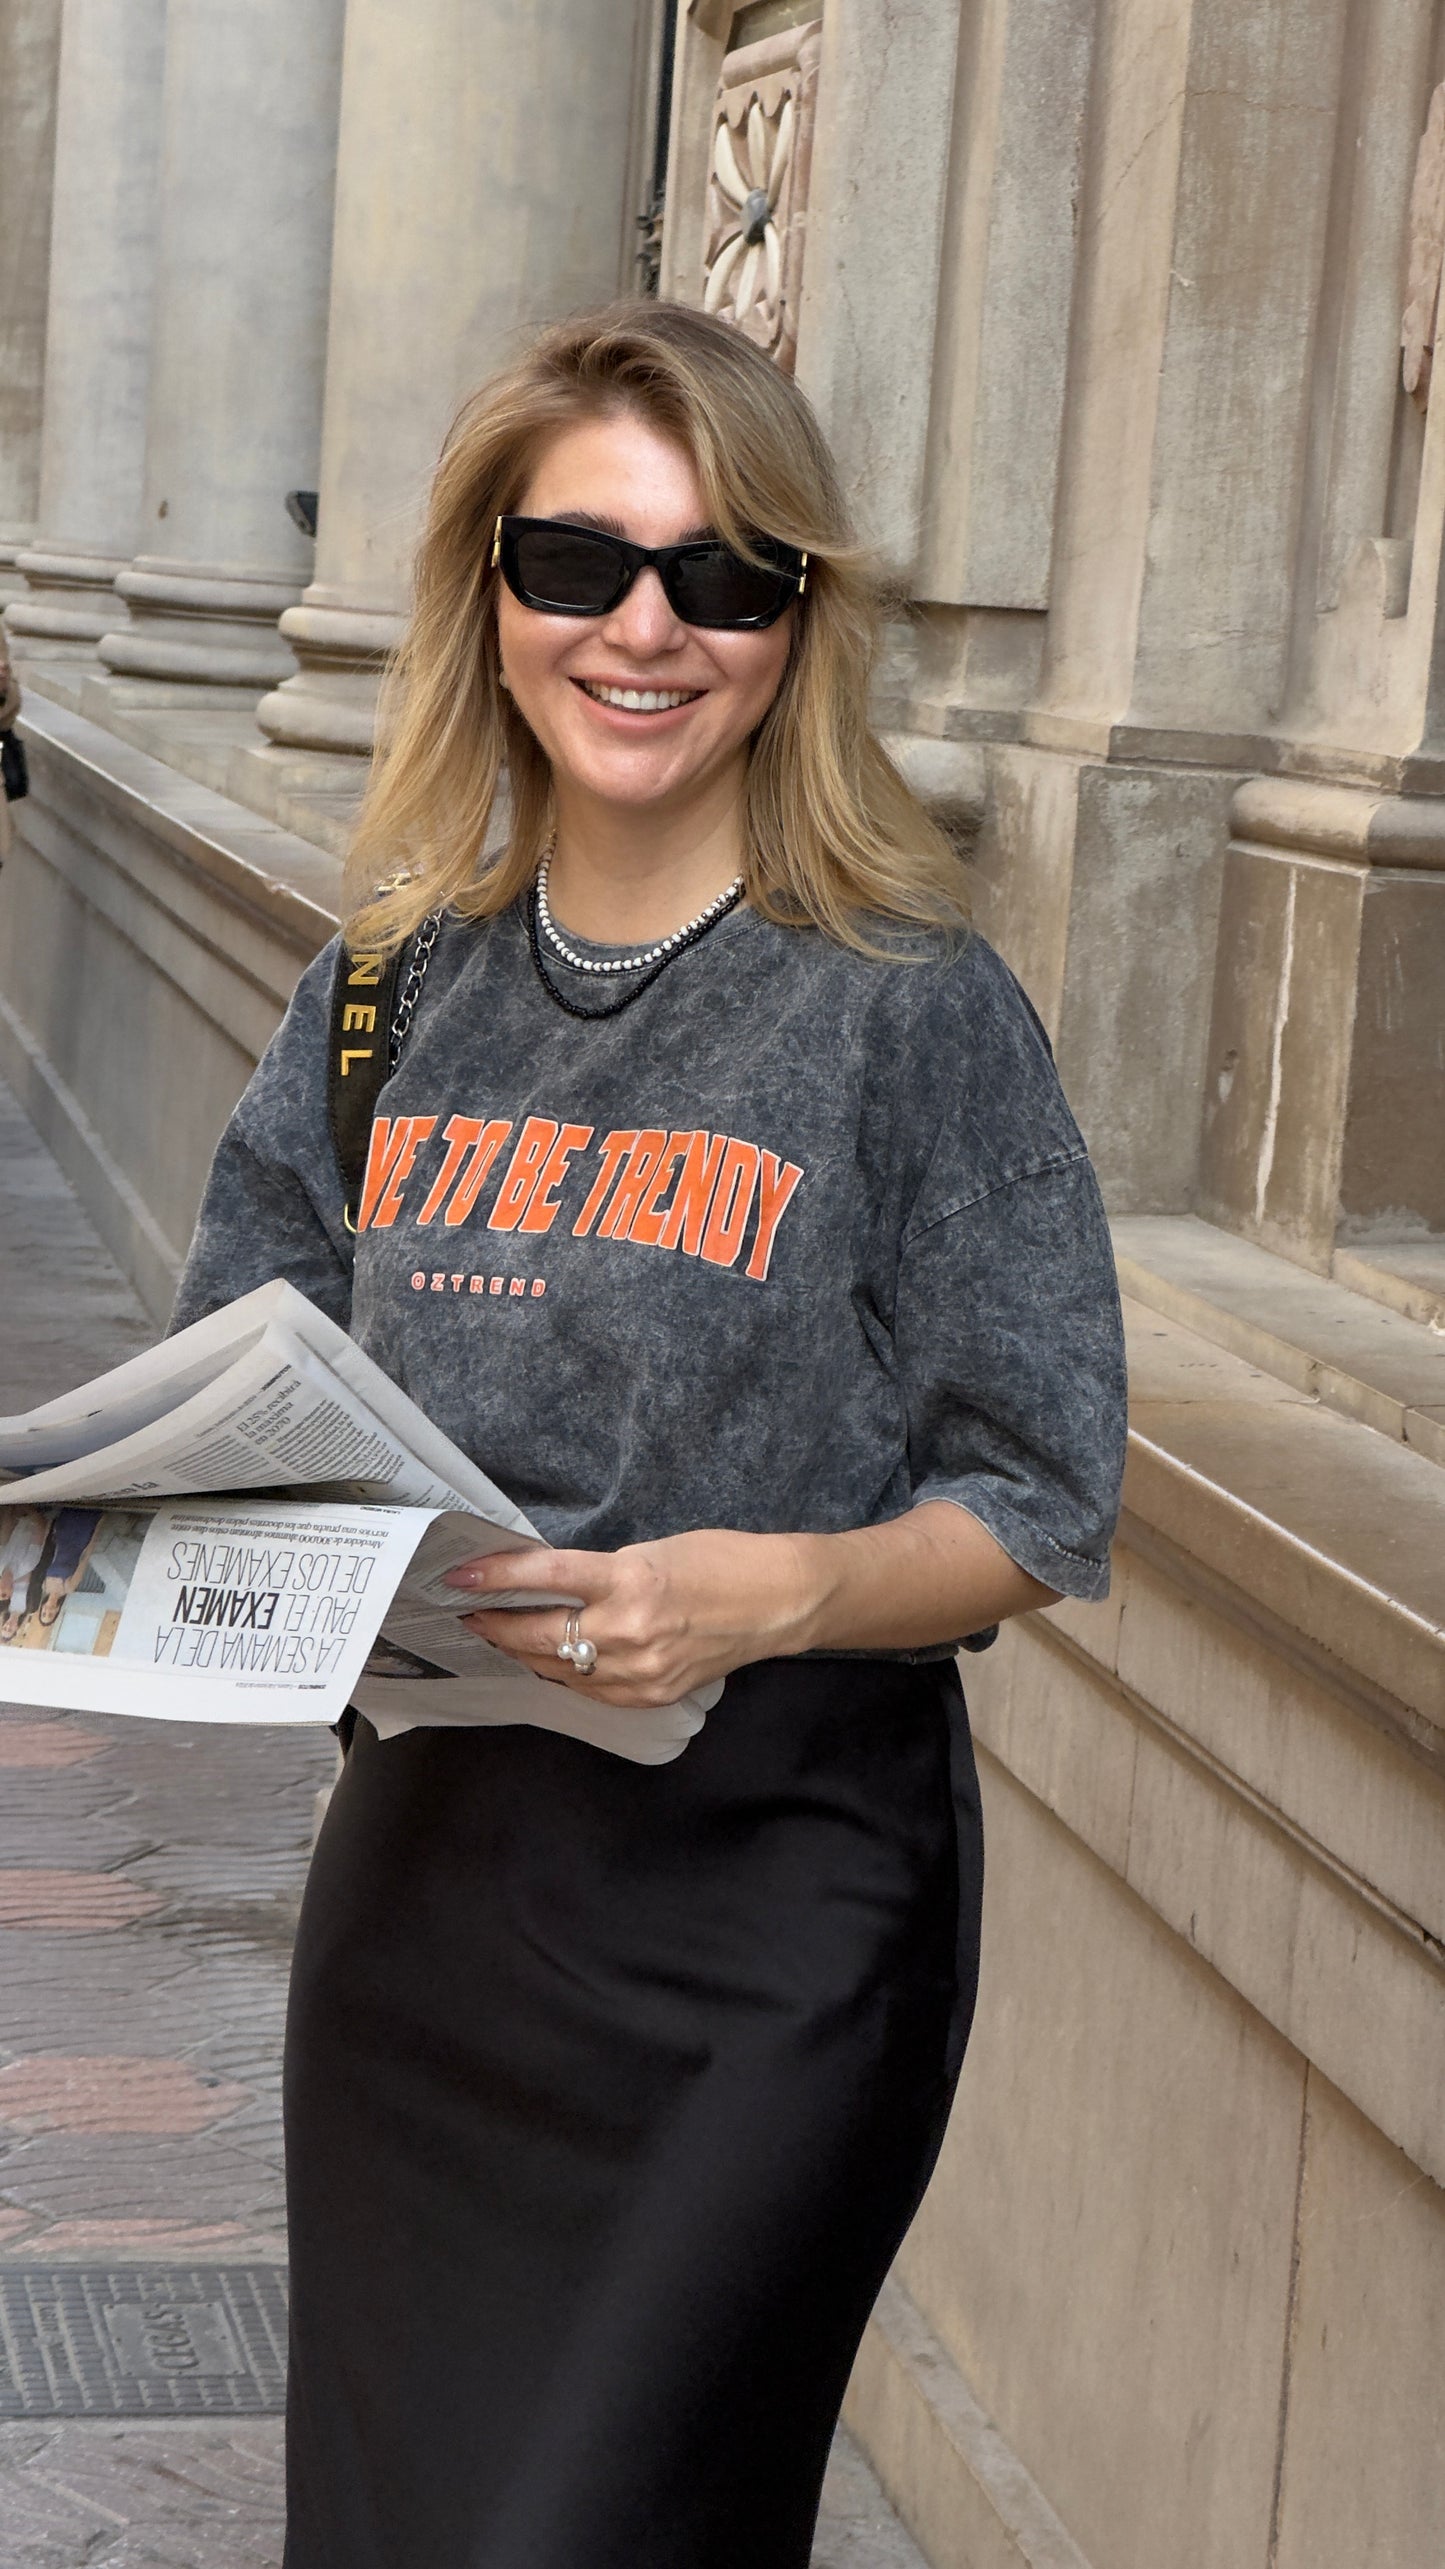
(197, 1612)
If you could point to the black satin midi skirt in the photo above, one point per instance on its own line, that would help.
(610, 2093)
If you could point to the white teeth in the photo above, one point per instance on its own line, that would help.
(641, 700)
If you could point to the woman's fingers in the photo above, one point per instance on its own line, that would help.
(623, 1693)
(520, 1630)
(537, 1571)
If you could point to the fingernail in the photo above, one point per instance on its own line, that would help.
(463, 1578)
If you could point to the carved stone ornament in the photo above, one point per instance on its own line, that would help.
(758, 189)
(1427, 254)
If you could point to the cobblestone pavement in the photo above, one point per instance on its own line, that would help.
(149, 1878)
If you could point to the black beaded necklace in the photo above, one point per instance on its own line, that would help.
(679, 945)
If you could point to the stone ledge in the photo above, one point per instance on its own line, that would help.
(960, 2488)
(1334, 1533)
(1358, 1357)
(283, 880)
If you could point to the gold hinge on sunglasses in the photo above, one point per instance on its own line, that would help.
(803, 570)
(496, 544)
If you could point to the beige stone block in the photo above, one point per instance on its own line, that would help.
(1022, 866)
(1133, 1028)
(1332, 1774)
(1216, 1872)
(1279, 1050)
(1094, 1629)
(1393, 1168)
(988, 1681)
(1363, 2478)
(1060, 1729)
(1347, 1986)
(1369, 2005)
(1105, 2250)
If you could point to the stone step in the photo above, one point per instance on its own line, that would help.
(1348, 1349)
(1406, 1275)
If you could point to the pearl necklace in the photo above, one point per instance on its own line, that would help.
(660, 953)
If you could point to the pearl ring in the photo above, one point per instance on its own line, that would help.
(583, 1654)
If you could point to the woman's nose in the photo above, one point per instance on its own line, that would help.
(643, 621)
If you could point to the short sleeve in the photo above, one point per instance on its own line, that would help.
(273, 1202)
(1011, 1357)
(1006, 1326)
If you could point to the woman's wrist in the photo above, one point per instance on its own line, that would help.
(815, 1570)
(926, 1577)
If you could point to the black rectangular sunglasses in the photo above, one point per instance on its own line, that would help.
(578, 570)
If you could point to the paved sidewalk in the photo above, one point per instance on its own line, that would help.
(149, 1879)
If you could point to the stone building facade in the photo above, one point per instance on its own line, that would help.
(1121, 315)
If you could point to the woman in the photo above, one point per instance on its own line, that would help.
(724, 1204)
(23, 1533)
(71, 1538)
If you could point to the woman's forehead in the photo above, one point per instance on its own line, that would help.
(621, 473)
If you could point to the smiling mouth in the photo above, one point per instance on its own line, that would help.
(640, 700)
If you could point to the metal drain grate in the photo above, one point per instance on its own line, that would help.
(142, 2341)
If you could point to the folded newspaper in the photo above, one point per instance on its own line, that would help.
(252, 1523)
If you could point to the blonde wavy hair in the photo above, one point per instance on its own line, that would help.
(833, 837)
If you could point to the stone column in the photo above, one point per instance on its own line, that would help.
(98, 328)
(29, 61)
(487, 181)
(247, 178)
(98, 324)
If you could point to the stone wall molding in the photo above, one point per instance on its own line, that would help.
(1342, 821)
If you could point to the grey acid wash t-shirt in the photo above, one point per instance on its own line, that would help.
(796, 1241)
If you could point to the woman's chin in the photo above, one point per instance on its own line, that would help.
(644, 778)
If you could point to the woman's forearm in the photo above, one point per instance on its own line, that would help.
(933, 1575)
(670, 1614)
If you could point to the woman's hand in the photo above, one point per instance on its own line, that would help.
(664, 1617)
